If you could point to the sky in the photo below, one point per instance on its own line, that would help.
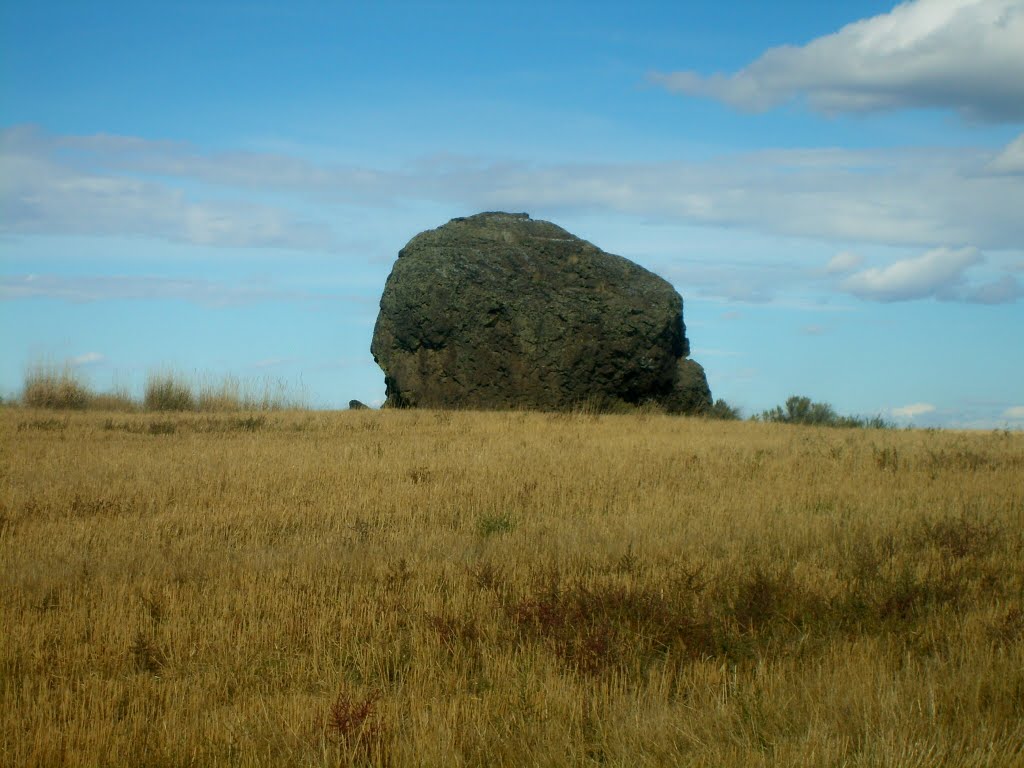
(220, 188)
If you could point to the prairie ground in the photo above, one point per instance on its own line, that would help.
(433, 588)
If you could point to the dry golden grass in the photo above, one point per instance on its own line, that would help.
(49, 386)
(65, 388)
(421, 588)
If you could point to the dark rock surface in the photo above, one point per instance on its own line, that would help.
(690, 393)
(357, 405)
(500, 311)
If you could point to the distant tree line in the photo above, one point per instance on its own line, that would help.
(799, 410)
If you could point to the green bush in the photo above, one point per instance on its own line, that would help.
(722, 410)
(490, 525)
(802, 410)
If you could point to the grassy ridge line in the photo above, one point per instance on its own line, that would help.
(55, 388)
(420, 588)
(64, 388)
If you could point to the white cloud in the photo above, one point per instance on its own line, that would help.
(1014, 412)
(88, 358)
(45, 192)
(747, 282)
(105, 185)
(241, 170)
(934, 274)
(843, 262)
(131, 287)
(912, 410)
(1011, 159)
(906, 197)
(965, 55)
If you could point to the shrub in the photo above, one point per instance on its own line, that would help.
(873, 422)
(491, 525)
(722, 410)
(50, 387)
(355, 725)
(168, 392)
(802, 410)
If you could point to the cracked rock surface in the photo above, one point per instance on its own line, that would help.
(498, 310)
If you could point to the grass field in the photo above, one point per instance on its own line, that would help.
(426, 588)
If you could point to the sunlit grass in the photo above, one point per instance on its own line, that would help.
(233, 394)
(421, 588)
(53, 387)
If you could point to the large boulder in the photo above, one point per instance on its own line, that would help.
(500, 311)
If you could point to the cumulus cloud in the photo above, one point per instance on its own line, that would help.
(843, 262)
(912, 410)
(88, 358)
(935, 274)
(1011, 159)
(941, 273)
(964, 55)
(1014, 412)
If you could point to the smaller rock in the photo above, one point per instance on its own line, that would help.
(356, 405)
(690, 392)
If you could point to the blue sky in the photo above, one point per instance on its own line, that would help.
(221, 187)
